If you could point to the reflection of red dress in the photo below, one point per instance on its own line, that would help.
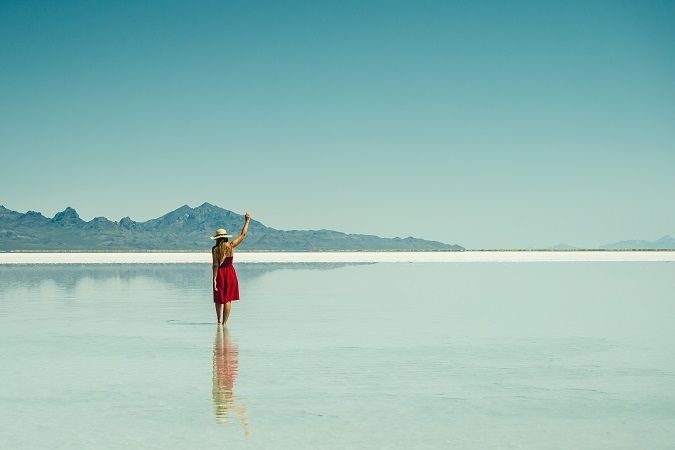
(225, 362)
(226, 280)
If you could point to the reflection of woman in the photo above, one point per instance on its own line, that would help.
(225, 362)
(225, 283)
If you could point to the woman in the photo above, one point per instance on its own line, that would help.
(225, 283)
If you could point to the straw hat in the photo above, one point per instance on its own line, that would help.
(221, 233)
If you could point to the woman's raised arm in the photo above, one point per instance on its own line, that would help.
(241, 237)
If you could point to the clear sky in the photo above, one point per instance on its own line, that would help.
(487, 124)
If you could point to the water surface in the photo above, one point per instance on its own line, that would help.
(387, 355)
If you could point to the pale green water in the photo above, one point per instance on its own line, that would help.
(391, 356)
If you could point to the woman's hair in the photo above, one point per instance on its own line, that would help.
(221, 245)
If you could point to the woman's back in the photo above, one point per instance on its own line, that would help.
(222, 251)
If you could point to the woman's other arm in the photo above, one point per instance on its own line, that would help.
(241, 237)
(215, 268)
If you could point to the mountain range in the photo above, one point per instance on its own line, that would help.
(666, 242)
(185, 228)
(663, 243)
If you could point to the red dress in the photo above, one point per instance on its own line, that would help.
(226, 280)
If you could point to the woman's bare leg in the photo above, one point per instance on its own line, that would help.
(219, 312)
(228, 306)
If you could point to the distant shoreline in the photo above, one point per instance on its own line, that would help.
(362, 251)
(344, 257)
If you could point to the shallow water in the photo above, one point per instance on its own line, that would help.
(387, 355)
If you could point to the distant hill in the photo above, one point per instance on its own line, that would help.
(663, 243)
(562, 247)
(185, 228)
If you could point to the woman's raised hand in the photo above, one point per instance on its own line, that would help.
(248, 216)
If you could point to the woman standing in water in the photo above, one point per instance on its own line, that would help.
(225, 283)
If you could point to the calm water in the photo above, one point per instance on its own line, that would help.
(387, 355)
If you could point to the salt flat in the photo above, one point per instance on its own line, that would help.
(336, 257)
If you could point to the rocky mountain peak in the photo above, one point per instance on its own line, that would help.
(33, 214)
(67, 217)
(126, 222)
(8, 212)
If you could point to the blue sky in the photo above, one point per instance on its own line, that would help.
(488, 124)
